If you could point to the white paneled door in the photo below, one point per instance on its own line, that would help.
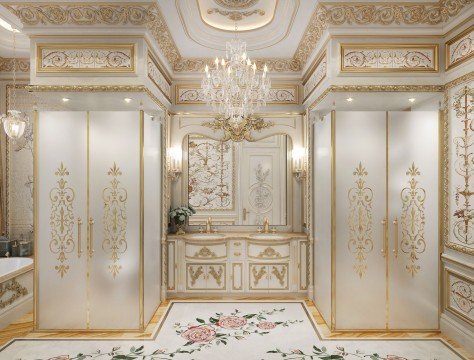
(413, 220)
(60, 225)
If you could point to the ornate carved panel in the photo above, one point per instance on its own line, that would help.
(413, 220)
(10, 291)
(115, 220)
(85, 58)
(261, 194)
(7, 64)
(279, 94)
(389, 58)
(61, 220)
(156, 76)
(460, 295)
(460, 48)
(462, 175)
(360, 220)
(318, 75)
(210, 174)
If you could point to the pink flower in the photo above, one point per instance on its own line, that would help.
(266, 325)
(60, 357)
(199, 334)
(231, 322)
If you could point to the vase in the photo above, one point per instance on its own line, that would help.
(180, 229)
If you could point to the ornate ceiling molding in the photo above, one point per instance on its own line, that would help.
(236, 4)
(324, 15)
(22, 65)
(236, 15)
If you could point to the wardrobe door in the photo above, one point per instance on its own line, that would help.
(360, 220)
(114, 219)
(413, 219)
(60, 206)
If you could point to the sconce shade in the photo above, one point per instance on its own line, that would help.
(14, 123)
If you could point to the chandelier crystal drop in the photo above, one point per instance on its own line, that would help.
(233, 86)
(14, 121)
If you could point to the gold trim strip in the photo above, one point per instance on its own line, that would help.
(333, 220)
(141, 274)
(35, 219)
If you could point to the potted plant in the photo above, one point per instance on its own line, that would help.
(180, 215)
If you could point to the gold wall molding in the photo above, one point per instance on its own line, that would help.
(155, 74)
(360, 220)
(413, 220)
(365, 58)
(460, 48)
(317, 76)
(115, 220)
(61, 220)
(59, 58)
(22, 65)
(15, 289)
(459, 295)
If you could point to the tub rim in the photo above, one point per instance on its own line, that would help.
(18, 272)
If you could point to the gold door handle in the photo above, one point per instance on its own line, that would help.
(395, 251)
(384, 249)
(79, 237)
(91, 237)
(245, 212)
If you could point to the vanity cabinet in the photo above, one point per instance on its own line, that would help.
(231, 264)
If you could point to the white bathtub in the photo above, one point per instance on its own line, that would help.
(16, 275)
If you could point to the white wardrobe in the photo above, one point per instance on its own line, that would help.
(376, 253)
(97, 219)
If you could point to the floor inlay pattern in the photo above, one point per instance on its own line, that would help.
(199, 329)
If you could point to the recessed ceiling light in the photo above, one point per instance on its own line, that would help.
(65, 99)
(349, 99)
(127, 100)
(411, 100)
(7, 26)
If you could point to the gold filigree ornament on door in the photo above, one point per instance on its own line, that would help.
(360, 220)
(413, 220)
(115, 220)
(463, 225)
(61, 220)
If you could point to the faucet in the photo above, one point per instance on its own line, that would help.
(266, 226)
(209, 225)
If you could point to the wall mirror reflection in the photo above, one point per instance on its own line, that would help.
(238, 183)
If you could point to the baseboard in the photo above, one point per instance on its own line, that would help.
(458, 332)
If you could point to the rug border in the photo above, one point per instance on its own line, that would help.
(160, 323)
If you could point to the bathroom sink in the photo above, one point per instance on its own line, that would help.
(269, 236)
(205, 236)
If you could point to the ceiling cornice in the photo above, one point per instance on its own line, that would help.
(148, 14)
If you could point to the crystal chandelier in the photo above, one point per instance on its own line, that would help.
(14, 121)
(233, 86)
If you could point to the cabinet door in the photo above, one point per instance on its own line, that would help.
(413, 209)
(278, 276)
(196, 276)
(360, 208)
(258, 277)
(61, 201)
(216, 277)
(116, 238)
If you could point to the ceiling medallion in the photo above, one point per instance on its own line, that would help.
(235, 15)
(236, 4)
(240, 131)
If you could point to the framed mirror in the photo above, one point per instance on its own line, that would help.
(238, 183)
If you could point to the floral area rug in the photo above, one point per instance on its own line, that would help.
(230, 331)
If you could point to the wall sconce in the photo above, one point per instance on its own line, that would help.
(174, 163)
(298, 155)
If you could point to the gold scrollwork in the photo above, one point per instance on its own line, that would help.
(115, 220)
(413, 220)
(195, 274)
(463, 226)
(240, 132)
(13, 287)
(269, 252)
(257, 275)
(61, 220)
(462, 294)
(216, 274)
(360, 220)
(279, 275)
(205, 252)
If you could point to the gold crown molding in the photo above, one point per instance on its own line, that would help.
(22, 65)
(464, 47)
(460, 80)
(236, 4)
(388, 58)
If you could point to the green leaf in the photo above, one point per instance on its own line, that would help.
(200, 321)
(249, 316)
